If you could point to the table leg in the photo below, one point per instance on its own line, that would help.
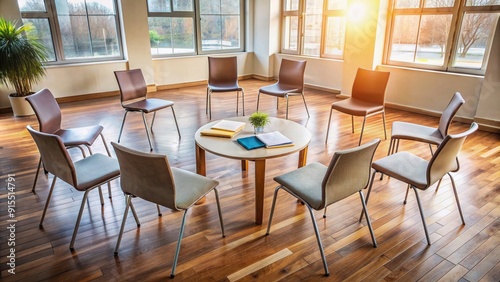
(260, 173)
(303, 157)
(201, 167)
(244, 165)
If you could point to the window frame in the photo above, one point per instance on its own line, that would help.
(196, 14)
(51, 15)
(458, 11)
(300, 14)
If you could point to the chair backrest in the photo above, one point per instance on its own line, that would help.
(47, 110)
(55, 157)
(222, 70)
(449, 113)
(444, 159)
(147, 176)
(292, 73)
(132, 84)
(370, 85)
(348, 172)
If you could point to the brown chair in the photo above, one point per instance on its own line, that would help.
(367, 98)
(49, 118)
(290, 83)
(319, 186)
(425, 134)
(223, 77)
(422, 174)
(84, 175)
(133, 91)
(150, 177)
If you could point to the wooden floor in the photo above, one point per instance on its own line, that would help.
(458, 252)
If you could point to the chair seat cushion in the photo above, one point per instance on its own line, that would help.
(405, 167)
(224, 87)
(190, 187)
(356, 107)
(305, 183)
(79, 135)
(148, 105)
(280, 90)
(95, 169)
(416, 132)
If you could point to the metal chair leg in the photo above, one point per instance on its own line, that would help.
(272, 209)
(456, 198)
(36, 174)
(121, 128)
(286, 106)
(352, 124)
(328, 128)
(210, 105)
(320, 244)
(158, 209)
(128, 199)
(134, 213)
(304, 99)
(258, 98)
(220, 213)
(422, 216)
(175, 119)
(147, 131)
(406, 196)
(177, 249)
(368, 194)
(206, 103)
(365, 209)
(79, 218)
(362, 130)
(383, 119)
(243, 100)
(324, 212)
(153, 121)
(48, 201)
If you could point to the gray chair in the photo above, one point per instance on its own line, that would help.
(84, 175)
(133, 92)
(223, 77)
(422, 133)
(421, 174)
(49, 118)
(150, 177)
(319, 186)
(290, 83)
(367, 99)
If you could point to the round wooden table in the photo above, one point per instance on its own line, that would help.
(230, 148)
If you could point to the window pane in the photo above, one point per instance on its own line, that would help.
(100, 7)
(211, 30)
(475, 35)
(335, 36)
(230, 7)
(401, 4)
(432, 39)
(75, 36)
(230, 32)
(439, 3)
(31, 5)
(291, 33)
(404, 38)
(159, 6)
(312, 27)
(291, 5)
(71, 7)
(482, 2)
(183, 5)
(104, 37)
(171, 35)
(337, 4)
(41, 28)
(209, 7)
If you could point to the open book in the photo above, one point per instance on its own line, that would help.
(274, 139)
(224, 128)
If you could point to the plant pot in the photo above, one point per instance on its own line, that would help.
(258, 129)
(20, 106)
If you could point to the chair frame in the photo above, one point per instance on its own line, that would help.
(214, 64)
(140, 94)
(284, 76)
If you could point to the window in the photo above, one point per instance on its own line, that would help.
(449, 35)
(75, 30)
(314, 27)
(188, 27)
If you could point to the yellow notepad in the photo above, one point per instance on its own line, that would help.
(218, 133)
(229, 125)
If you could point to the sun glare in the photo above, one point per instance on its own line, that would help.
(356, 12)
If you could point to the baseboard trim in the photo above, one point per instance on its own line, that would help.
(89, 96)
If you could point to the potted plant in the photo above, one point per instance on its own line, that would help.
(259, 120)
(21, 57)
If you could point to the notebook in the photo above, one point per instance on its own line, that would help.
(229, 125)
(250, 142)
(274, 139)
